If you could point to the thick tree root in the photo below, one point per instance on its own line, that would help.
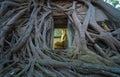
(26, 30)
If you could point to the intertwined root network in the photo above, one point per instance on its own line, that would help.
(26, 28)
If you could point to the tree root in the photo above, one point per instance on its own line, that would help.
(26, 41)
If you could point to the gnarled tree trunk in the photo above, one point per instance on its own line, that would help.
(26, 29)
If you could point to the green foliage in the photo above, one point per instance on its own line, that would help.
(119, 7)
(115, 3)
(57, 32)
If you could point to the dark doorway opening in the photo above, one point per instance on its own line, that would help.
(60, 39)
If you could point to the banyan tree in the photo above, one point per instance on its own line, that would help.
(59, 38)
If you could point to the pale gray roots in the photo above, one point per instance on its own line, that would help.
(25, 37)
